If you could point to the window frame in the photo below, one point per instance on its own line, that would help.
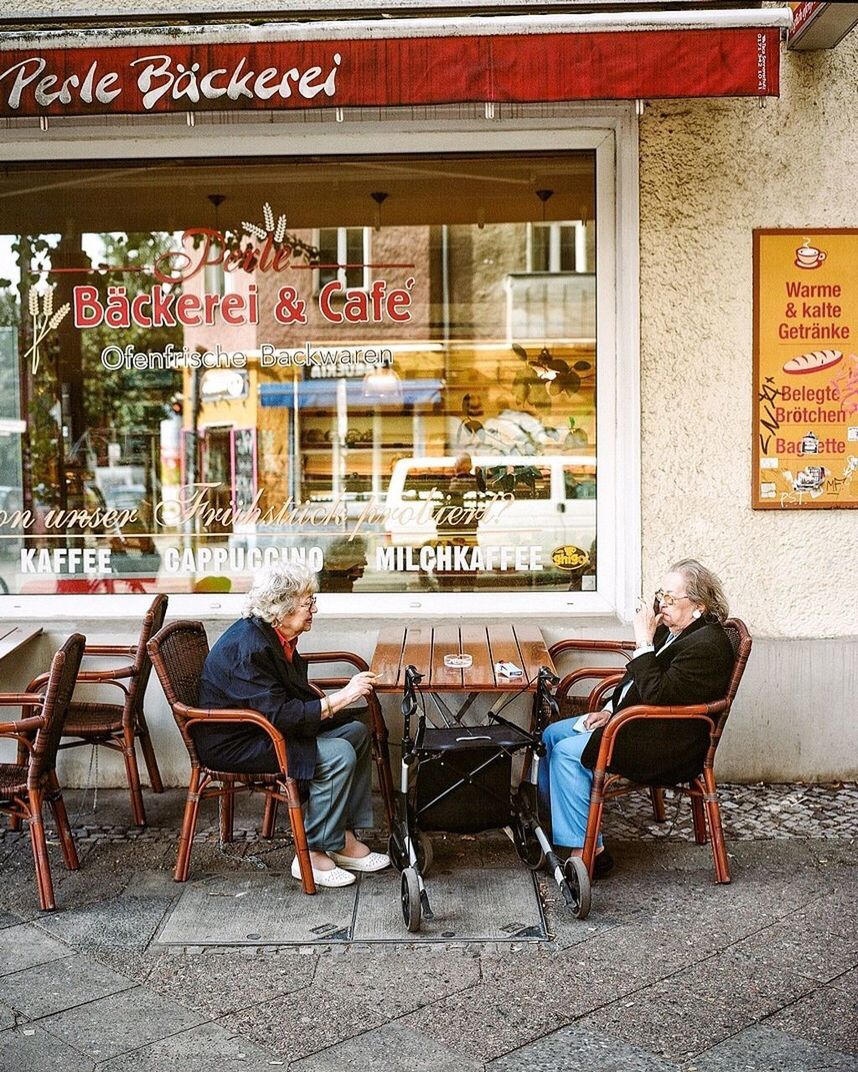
(555, 246)
(343, 257)
(611, 131)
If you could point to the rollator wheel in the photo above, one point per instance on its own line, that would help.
(578, 881)
(425, 853)
(528, 848)
(410, 893)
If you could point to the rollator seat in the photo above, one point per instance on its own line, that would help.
(464, 781)
(465, 738)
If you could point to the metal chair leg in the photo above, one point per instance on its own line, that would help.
(189, 828)
(132, 772)
(296, 820)
(21, 758)
(716, 831)
(656, 795)
(149, 755)
(594, 820)
(698, 813)
(227, 812)
(269, 817)
(61, 819)
(40, 853)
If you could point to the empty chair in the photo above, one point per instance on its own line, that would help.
(120, 725)
(26, 785)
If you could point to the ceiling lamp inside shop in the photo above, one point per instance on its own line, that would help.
(171, 196)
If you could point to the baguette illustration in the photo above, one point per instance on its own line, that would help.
(815, 361)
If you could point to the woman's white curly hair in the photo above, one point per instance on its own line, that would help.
(703, 587)
(277, 590)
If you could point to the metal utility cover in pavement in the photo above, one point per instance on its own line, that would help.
(256, 910)
(476, 904)
(493, 904)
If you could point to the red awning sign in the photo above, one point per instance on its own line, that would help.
(278, 75)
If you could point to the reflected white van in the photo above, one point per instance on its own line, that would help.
(542, 500)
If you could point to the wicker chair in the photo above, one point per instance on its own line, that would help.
(25, 786)
(702, 790)
(119, 725)
(178, 653)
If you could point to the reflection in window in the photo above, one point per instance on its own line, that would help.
(557, 247)
(344, 255)
(464, 413)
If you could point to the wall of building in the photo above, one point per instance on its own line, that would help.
(712, 171)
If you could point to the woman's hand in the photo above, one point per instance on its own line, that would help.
(596, 719)
(645, 624)
(359, 685)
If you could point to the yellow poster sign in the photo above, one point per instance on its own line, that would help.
(805, 369)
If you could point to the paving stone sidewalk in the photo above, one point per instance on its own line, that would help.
(670, 972)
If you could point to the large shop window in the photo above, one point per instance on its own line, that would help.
(385, 368)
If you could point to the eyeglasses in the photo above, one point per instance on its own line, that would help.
(666, 598)
(309, 604)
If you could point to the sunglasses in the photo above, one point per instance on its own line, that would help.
(666, 599)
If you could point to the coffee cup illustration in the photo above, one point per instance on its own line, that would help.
(808, 256)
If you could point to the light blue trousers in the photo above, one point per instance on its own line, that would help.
(565, 783)
(341, 789)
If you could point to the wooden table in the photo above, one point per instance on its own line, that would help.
(425, 648)
(14, 637)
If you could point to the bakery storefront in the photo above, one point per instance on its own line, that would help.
(316, 294)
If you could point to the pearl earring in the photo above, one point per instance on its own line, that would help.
(695, 613)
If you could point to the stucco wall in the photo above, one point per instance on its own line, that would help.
(711, 171)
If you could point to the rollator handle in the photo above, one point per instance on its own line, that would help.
(410, 707)
(545, 707)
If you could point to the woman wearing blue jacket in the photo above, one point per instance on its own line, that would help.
(256, 664)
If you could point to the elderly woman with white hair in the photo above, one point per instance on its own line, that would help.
(683, 656)
(256, 664)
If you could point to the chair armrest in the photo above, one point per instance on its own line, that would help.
(39, 682)
(196, 715)
(105, 677)
(621, 647)
(118, 674)
(117, 650)
(596, 699)
(706, 712)
(337, 657)
(20, 699)
(22, 728)
(608, 675)
(89, 677)
(329, 682)
(372, 702)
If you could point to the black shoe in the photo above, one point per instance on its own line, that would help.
(603, 865)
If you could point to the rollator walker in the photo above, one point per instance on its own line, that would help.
(458, 779)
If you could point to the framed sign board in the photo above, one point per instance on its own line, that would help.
(805, 369)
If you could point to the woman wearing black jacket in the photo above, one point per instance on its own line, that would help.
(683, 656)
(256, 664)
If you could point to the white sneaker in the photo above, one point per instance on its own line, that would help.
(376, 861)
(333, 878)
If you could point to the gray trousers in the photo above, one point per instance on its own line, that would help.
(341, 790)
